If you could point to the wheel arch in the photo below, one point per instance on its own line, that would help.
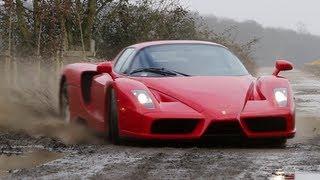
(72, 74)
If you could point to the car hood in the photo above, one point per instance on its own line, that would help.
(220, 96)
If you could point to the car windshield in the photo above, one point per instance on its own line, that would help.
(188, 59)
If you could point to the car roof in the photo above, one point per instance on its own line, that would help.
(153, 43)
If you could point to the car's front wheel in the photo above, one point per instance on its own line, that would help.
(113, 119)
(280, 142)
(277, 142)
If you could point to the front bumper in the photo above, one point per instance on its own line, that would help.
(238, 125)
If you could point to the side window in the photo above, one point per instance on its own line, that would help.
(140, 61)
(127, 63)
(122, 59)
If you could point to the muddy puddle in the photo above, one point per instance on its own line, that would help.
(9, 162)
(282, 175)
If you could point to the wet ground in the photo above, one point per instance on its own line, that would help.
(12, 160)
(23, 156)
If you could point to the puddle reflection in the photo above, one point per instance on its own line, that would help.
(281, 175)
(29, 159)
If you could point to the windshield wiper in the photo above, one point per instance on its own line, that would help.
(162, 71)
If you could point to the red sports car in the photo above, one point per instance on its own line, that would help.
(178, 90)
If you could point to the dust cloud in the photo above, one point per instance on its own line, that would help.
(29, 102)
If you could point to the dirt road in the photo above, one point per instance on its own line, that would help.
(300, 159)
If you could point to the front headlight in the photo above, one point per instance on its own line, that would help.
(144, 98)
(281, 96)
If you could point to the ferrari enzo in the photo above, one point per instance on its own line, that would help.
(178, 90)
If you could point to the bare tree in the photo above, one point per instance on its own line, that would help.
(24, 31)
(78, 12)
(37, 25)
(8, 8)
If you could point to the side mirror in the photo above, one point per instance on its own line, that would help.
(282, 65)
(105, 67)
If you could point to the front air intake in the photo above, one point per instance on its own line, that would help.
(266, 124)
(174, 126)
(228, 128)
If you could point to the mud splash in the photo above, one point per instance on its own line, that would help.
(33, 157)
(16, 117)
(29, 103)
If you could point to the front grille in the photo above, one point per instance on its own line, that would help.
(265, 124)
(229, 128)
(174, 126)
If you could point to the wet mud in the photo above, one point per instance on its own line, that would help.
(92, 159)
(11, 161)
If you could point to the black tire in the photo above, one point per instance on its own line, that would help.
(278, 143)
(64, 103)
(113, 119)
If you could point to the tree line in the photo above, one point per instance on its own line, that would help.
(47, 28)
(299, 46)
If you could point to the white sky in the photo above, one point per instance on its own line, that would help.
(272, 13)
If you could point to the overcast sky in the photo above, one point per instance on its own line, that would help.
(290, 14)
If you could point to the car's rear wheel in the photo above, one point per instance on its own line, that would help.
(113, 119)
(64, 104)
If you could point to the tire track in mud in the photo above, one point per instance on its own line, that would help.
(163, 162)
(188, 162)
(218, 162)
(178, 164)
(146, 160)
(145, 165)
